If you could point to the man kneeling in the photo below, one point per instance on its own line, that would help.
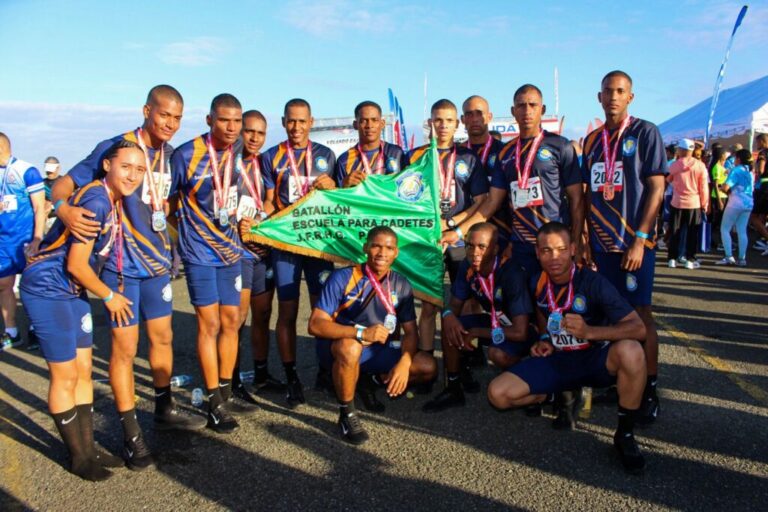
(356, 321)
(589, 338)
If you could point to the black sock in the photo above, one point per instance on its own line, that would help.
(236, 381)
(260, 370)
(85, 418)
(214, 398)
(453, 383)
(650, 386)
(346, 407)
(290, 371)
(626, 420)
(163, 400)
(130, 425)
(225, 387)
(68, 425)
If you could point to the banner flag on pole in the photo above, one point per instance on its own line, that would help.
(721, 75)
(333, 224)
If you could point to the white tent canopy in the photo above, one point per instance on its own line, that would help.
(740, 110)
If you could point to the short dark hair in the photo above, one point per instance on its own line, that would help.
(380, 230)
(225, 100)
(360, 106)
(553, 227)
(443, 104)
(745, 157)
(617, 73)
(762, 137)
(474, 97)
(112, 151)
(297, 102)
(525, 88)
(163, 91)
(51, 160)
(254, 113)
(484, 226)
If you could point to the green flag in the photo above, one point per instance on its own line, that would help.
(333, 224)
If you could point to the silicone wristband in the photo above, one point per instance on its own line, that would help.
(545, 337)
(458, 231)
(640, 234)
(446, 313)
(108, 297)
(57, 204)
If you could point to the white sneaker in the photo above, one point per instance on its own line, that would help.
(764, 253)
(761, 245)
(743, 263)
(661, 245)
(671, 263)
(692, 264)
(726, 261)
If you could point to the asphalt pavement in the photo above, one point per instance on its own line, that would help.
(707, 451)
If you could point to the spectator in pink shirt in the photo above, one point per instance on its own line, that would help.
(690, 200)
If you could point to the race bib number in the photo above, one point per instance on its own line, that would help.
(531, 197)
(295, 188)
(145, 194)
(247, 208)
(567, 341)
(597, 177)
(230, 204)
(10, 204)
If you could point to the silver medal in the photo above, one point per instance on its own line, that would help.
(521, 198)
(497, 335)
(390, 322)
(554, 322)
(223, 217)
(158, 221)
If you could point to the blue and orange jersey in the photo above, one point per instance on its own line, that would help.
(468, 174)
(510, 288)
(554, 168)
(349, 298)
(202, 238)
(493, 155)
(18, 181)
(613, 222)
(394, 161)
(242, 191)
(275, 163)
(46, 272)
(146, 253)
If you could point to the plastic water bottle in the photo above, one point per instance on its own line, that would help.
(197, 397)
(180, 381)
(586, 408)
(247, 377)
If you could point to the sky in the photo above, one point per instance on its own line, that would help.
(78, 72)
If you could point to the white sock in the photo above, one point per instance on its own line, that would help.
(12, 331)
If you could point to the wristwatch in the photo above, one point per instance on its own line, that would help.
(359, 335)
(450, 223)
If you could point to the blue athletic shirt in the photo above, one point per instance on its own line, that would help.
(555, 167)
(350, 299)
(510, 289)
(18, 181)
(146, 253)
(468, 174)
(394, 161)
(242, 190)
(276, 164)
(202, 239)
(595, 298)
(46, 273)
(613, 223)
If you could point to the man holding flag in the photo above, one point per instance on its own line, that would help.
(296, 166)
(371, 155)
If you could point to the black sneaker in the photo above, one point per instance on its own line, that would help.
(138, 456)
(243, 394)
(649, 411)
(424, 388)
(33, 343)
(106, 459)
(8, 342)
(177, 419)
(351, 428)
(476, 358)
(566, 407)
(366, 391)
(295, 394)
(629, 454)
(533, 410)
(323, 381)
(446, 399)
(238, 404)
(608, 395)
(267, 385)
(221, 421)
(468, 382)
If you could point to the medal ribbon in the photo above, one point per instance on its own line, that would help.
(486, 149)
(295, 168)
(385, 299)
(219, 193)
(487, 286)
(5, 178)
(552, 303)
(446, 176)
(379, 160)
(155, 190)
(254, 186)
(609, 153)
(522, 178)
(116, 234)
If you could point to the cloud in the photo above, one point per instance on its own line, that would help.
(710, 25)
(198, 51)
(325, 18)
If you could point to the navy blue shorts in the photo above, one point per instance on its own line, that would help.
(152, 297)
(258, 275)
(288, 267)
(525, 258)
(636, 287)
(375, 359)
(483, 321)
(61, 325)
(12, 258)
(214, 285)
(565, 370)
